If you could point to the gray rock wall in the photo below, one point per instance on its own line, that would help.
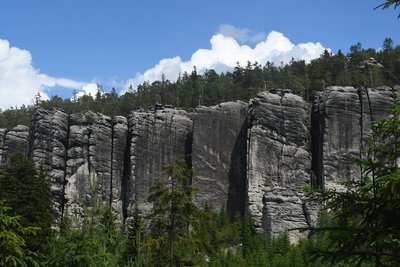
(95, 162)
(255, 157)
(341, 118)
(219, 156)
(13, 141)
(83, 155)
(279, 163)
(156, 138)
(48, 141)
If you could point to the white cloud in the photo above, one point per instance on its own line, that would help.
(20, 81)
(226, 51)
(89, 89)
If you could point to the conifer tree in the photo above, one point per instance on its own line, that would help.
(28, 194)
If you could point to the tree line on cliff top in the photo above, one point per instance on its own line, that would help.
(359, 67)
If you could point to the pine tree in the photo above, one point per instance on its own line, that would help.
(28, 194)
(174, 217)
(13, 249)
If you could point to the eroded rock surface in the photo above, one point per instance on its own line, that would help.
(279, 163)
(14, 141)
(96, 148)
(255, 157)
(156, 138)
(341, 118)
(219, 156)
(48, 142)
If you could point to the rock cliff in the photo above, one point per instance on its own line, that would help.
(12, 141)
(254, 157)
(155, 138)
(341, 118)
(279, 163)
(219, 156)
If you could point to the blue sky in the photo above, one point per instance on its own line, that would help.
(55, 46)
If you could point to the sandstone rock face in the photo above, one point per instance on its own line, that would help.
(13, 141)
(156, 138)
(279, 163)
(219, 156)
(119, 146)
(96, 149)
(48, 140)
(256, 158)
(341, 118)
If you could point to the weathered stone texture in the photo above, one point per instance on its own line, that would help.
(219, 156)
(48, 140)
(341, 120)
(156, 138)
(96, 147)
(255, 157)
(14, 141)
(119, 139)
(279, 163)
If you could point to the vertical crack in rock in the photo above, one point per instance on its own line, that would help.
(126, 174)
(64, 181)
(112, 161)
(119, 145)
(360, 92)
(317, 140)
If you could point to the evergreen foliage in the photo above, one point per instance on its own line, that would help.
(27, 193)
(174, 217)
(95, 240)
(13, 249)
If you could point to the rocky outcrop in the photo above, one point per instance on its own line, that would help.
(219, 156)
(96, 150)
(13, 141)
(83, 156)
(255, 157)
(48, 141)
(279, 163)
(341, 118)
(156, 138)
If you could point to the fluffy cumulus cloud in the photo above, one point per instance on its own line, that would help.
(89, 89)
(226, 50)
(20, 81)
